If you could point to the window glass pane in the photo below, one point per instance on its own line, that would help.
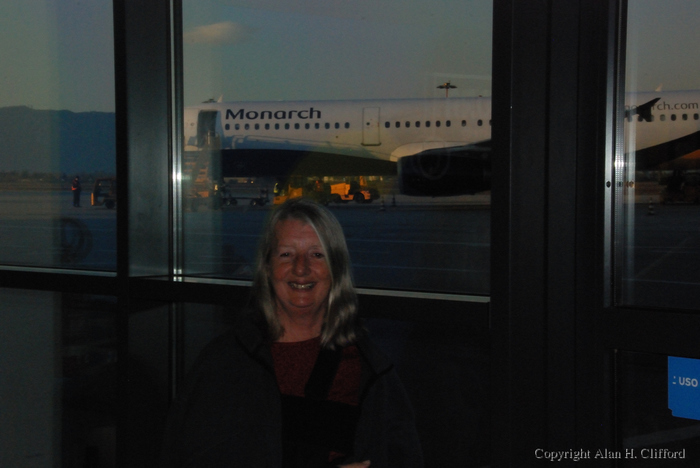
(56, 123)
(659, 182)
(58, 394)
(347, 84)
(445, 369)
(651, 431)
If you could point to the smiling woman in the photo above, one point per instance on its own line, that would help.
(297, 382)
(303, 258)
(301, 280)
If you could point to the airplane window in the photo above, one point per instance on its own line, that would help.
(479, 122)
(417, 123)
(286, 126)
(347, 124)
(387, 125)
(337, 125)
(659, 200)
(237, 126)
(328, 125)
(437, 123)
(317, 125)
(398, 124)
(427, 123)
(307, 126)
(277, 126)
(257, 126)
(296, 126)
(696, 116)
(246, 126)
(464, 123)
(407, 124)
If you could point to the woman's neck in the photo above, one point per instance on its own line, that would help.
(299, 329)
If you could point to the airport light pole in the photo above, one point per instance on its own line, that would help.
(446, 86)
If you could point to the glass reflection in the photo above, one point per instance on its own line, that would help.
(56, 124)
(658, 234)
(381, 111)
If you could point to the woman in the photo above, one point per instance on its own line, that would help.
(297, 382)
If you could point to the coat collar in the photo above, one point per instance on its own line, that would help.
(249, 331)
(378, 362)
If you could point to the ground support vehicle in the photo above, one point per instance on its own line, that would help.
(104, 193)
(230, 198)
(297, 188)
(682, 188)
(356, 190)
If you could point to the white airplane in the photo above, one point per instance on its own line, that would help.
(662, 129)
(436, 147)
(344, 138)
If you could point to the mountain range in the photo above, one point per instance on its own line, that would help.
(56, 141)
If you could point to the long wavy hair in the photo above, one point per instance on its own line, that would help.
(341, 324)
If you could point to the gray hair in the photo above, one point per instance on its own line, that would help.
(340, 325)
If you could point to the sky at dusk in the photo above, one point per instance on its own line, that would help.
(57, 54)
(335, 49)
(663, 39)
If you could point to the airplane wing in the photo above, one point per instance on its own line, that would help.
(456, 170)
(281, 163)
(680, 153)
(643, 111)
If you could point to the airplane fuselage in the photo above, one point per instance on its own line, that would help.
(391, 129)
(670, 132)
(433, 145)
(383, 129)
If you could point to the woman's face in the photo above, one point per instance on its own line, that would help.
(300, 275)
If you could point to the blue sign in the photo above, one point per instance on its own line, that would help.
(684, 387)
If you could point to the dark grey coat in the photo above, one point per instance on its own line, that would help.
(229, 412)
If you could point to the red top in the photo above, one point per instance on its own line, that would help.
(295, 361)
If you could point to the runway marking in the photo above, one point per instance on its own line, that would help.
(673, 251)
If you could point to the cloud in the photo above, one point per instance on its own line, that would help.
(218, 34)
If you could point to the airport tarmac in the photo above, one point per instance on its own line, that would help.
(437, 245)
